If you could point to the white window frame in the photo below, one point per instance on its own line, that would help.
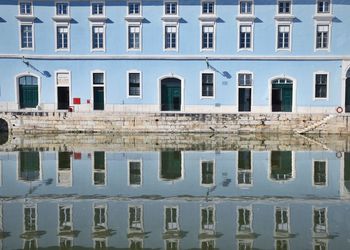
(290, 25)
(201, 172)
(293, 165)
(100, 85)
(20, 35)
(244, 185)
(70, 222)
(290, 7)
(250, 209)
(313, 173)
(141, 173)
(133, 24)
(98, 2)
(30, 206)
(128, 83)
(16, 81)
(141, 219)
(244, 14)
(314, 209)
(202, 24)
(31, 7)
(92, 25)
(177, 8)
(105, 224)
(208, 230)
(134, 14)
(214, 7)
(58, 171)
(329, 24)
(98, 170)
(282, 208)
(324, 13)
(59, 24)
(68, 7)
(314, 85)
(176, 25)
(251, 24)
(177, 222)
(201, 84)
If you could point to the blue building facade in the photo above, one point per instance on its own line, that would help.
(212, 56)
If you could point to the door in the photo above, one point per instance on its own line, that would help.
(171, 94)
(28, 96)
(347, 95)
(62, 97)
(282, 97)
(99, 98)
(244, 103)
(171, 165)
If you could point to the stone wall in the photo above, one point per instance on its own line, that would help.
(108, 122)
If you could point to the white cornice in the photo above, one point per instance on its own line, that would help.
(26, 18)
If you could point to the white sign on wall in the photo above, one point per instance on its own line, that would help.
(63, 79)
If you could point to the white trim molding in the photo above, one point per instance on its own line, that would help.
(207, 71)
(327, 85)
(128, 84)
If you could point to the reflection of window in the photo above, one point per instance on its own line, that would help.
(135, 244)
(244, 224)
(281, 165)
(65, 218)
(135, 173)
(281, 220)
(320, 173)
(171, 165)
(208, 218)
(29, 168)
(66, 242)
(207, 244)
(245, 245)
(244, 175)
(320, 244)
(30, 219)
(320, 220)
(100, 217)
(171, 219)
(172, 244)
(99, 168)
(207, 171)
(64, 173)
(282, 244)
(30, 244)
(100, 243)
(135, 218)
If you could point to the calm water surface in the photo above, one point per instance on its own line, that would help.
(175, 192)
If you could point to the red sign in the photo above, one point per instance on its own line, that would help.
(76, 100)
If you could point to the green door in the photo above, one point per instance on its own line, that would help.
(28, 92)
(171, 94)
(282, 97)
(29, 166)
(171, 165)
(347, 95)
(244, 103)
(99, 98)
(281, 165)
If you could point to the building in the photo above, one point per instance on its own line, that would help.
(186, 56)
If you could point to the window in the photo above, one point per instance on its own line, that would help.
(284, 7)
(62, 37)
(283, 37)
(245, 79)
(97, 8)
(170, 8)
(64, 171)
(65, 218)
(281, 221)
(26, 36)
(62, 9)
(134, 8)
(134, 84)
(29, 166)
(320, 221)
(208, 219)
(98, 78)
(135, 219)
(100, 218)
(207, 173)
(245, 37)
(170, 37)
(97, 37)
(207, 85)
(99, 170)
(244, 174)
(281, 165)
(320, 173)
(208, 7)
(244, 217)
(171, 219)
(246, 7)
(207, 37)
(321, 81)
(135, 173)
(322, 37)
(25, 8)
(134, 37)
(323, 6)
(30, 218)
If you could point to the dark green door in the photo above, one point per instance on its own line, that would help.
(171, 94)
(99, 98)
(282, 97)
(171, 165)
(28, 96)
(347, 95)
(244, 103)
(62, 97)
(281, 165)
(29, 166)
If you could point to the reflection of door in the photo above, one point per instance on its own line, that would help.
(347, 95)
(282, 97)
(244, 99)
(62, 97)
(171, 165)
(98, 98)
(171, 94)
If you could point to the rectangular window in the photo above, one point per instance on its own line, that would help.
(281, 220)
(244, 173)
(245, 79)
(135, 84)
(208, 7)
(25, 8)
(321, 81)
(99, 171)
(171, 219)
(134, 8)
(170, 37)
(26, 36)
(30, 215)
(284, 7)
(97, 8)
(246, 7)
(135, 219)
(283, 37)
(65, 218)
(64, 172)
(245, 36)
(134, 37)
(322, 36)
(62, 37)
(97, 37)
(135, 177)
(170, 8)
(320, 221)
(207, 85)
(98, 78)
(100, 218)
(244, 224)
(208, 219)
(320, 173)
(61, 9)
(207, 172)
(323, 6)
(208, 37)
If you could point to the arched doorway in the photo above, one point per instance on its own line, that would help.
(282, 95)
(347, 91)
(171, 94)
(28, 91)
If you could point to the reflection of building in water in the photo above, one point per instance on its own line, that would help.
(282, 222)
(99, 168)
(320, 228)
(207, 173)
(100, 229)
(207, 233)
(171, 244)
(172, 230)
(65, 226)
(64, 169)
(171, 166)
(320, 173)
(282, 244)
(244, 169)
(282, 167)
(29, 168)
(30, 227)
(346, 174)
(135, 173)
(136, 232)
(244, 233)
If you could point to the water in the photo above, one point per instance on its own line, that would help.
(175, 192)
